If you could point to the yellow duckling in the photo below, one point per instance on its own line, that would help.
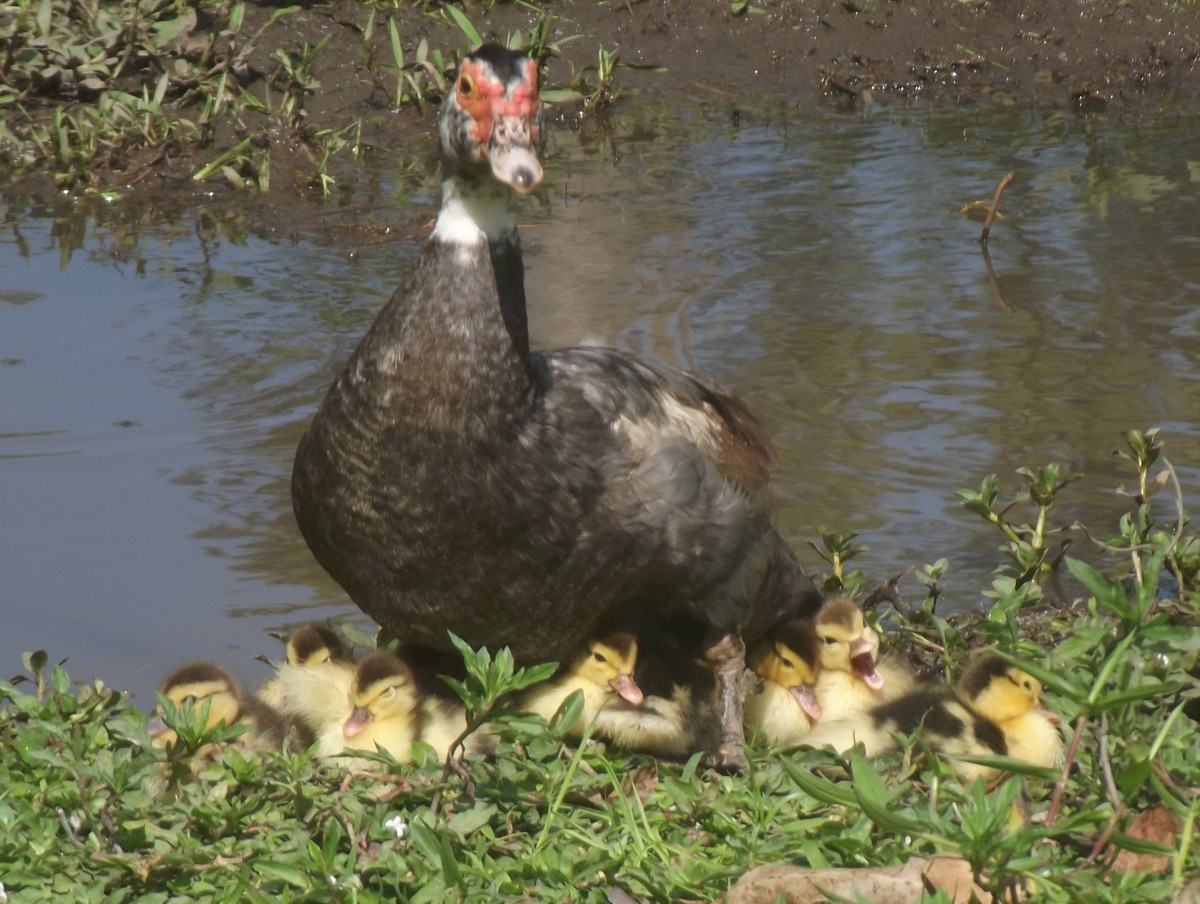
(1011, 699)
(604, 667)
(310, 646)
(377, 709)
(677, 715)
(198, 684)
(785, 706)
(443, 718)
(993, 712)
(946, 725)
(852, 677)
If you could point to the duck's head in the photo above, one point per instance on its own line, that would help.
(790, 659)
(491, 122)
(192, 686)
(608, 662)
(383, 690)
(846, 642)
(316, 644)
(1000, 691)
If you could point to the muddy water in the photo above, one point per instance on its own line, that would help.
(156, 373)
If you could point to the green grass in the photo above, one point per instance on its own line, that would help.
(554, 820)
(97, 92)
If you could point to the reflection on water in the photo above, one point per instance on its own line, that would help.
(156, 371)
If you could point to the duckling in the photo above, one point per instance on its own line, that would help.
(378, 708)
(677, 715)
(310, 646)
(605, 665)
(443, 718)
(1011, 699)
(785, 706)
(993, 711)
(946, 724)
(198, 683)
(852, 677)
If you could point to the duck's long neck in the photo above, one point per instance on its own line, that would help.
(453, 342)
(474, 212)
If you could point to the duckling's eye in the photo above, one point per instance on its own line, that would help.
(388, 694)
(787, 663)
(599, 657)
(830, 641)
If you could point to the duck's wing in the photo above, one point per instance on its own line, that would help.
(649, 406)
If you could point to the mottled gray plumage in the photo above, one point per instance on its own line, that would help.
(453, 481)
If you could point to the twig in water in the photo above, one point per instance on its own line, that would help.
(991, 215)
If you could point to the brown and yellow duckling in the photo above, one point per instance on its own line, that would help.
(1011, 698)
(204, 684)
(677, 715)
(852, 677)
(604, 668)
(372, 706)
(784, 707)
(314, 645)
(993, 711)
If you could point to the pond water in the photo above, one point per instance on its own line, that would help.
(156, 371)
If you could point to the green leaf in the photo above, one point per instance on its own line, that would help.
(560, 95)
(1108, 595)
(873, 797)
(1117, 699)
(451, 874)
(468, 821)
(465, 26)
(820, 788)
(282, 872)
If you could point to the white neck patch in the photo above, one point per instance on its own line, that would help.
(482, 215)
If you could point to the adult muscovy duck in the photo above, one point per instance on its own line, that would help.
(452, 480)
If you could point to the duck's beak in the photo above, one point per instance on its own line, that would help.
(628, 689)
(511, 154)
(806, 696)
(1052, 718)
(516, 134)
(357, 721)
(862, 660)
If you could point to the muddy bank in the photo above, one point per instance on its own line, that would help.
(1098, 58)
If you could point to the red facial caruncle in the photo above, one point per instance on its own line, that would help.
(482, 97)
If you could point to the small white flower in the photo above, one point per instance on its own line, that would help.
(397, 825)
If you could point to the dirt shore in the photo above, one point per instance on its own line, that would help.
(1139, 59)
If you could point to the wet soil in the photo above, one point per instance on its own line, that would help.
(1099, 58)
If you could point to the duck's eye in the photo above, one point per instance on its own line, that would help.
(189, 700)
(787, 663)
(599, 657)
(830, 640)
(465, 85)
(388, 694)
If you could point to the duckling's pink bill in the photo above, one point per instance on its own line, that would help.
(806, 696)
(356, 722)
(628, 689)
